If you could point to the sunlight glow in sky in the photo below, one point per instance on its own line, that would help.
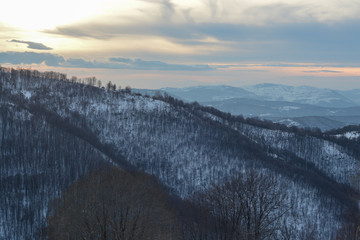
(160, 43)
(37, 15)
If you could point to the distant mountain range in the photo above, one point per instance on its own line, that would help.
(301, 106)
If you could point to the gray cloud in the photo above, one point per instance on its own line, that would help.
(88, 30)
(113, 63)
(272, 31)
(82, 63)
(187, 15)
(135, 64)
(322, 71)
(167, 8)
(32, 45)
(213, 6)
(307, 65)
(278, 12)
(157, 65)
(30, 58)
(121, 60)
(277, 43)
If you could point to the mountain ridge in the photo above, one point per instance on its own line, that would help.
(274, 101)
(273, 92)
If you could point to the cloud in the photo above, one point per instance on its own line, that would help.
(262, 31)
(121, 60)
(31, 58)
(306, 65)
(213, 6)
(168, 9)
(82, 63)
(255, 13)
(105, 31)
(140, 64)
(272, 31)
(55, 60)
(301, 42)
(5, 28)
(234, 32)
(322, 71)
(187, 15)
(32, 45)
(94, 30)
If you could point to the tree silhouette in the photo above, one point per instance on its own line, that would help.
(112, 204)
(247, 207)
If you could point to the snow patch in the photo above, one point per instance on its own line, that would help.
(349, 135)
(26, 94)
(288, 108)
(289, 122)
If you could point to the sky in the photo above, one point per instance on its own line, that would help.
(179, 43)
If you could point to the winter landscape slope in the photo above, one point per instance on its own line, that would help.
(55, 131)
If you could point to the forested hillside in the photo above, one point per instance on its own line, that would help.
(55, 130)
(38, 159)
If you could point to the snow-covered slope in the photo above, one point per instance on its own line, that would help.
(328, 157)
(188, 147)
(37, 161)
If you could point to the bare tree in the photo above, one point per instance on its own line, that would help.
(91, 81)
(350, 228)
(249, 207)
(113, 205)
(128, 89)
(109, 85)
(73, 79)
(99, 83)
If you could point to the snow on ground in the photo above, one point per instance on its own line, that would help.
(350, 135)
(289, 122)
(26, 94)
(327, 156)
(288, 108)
